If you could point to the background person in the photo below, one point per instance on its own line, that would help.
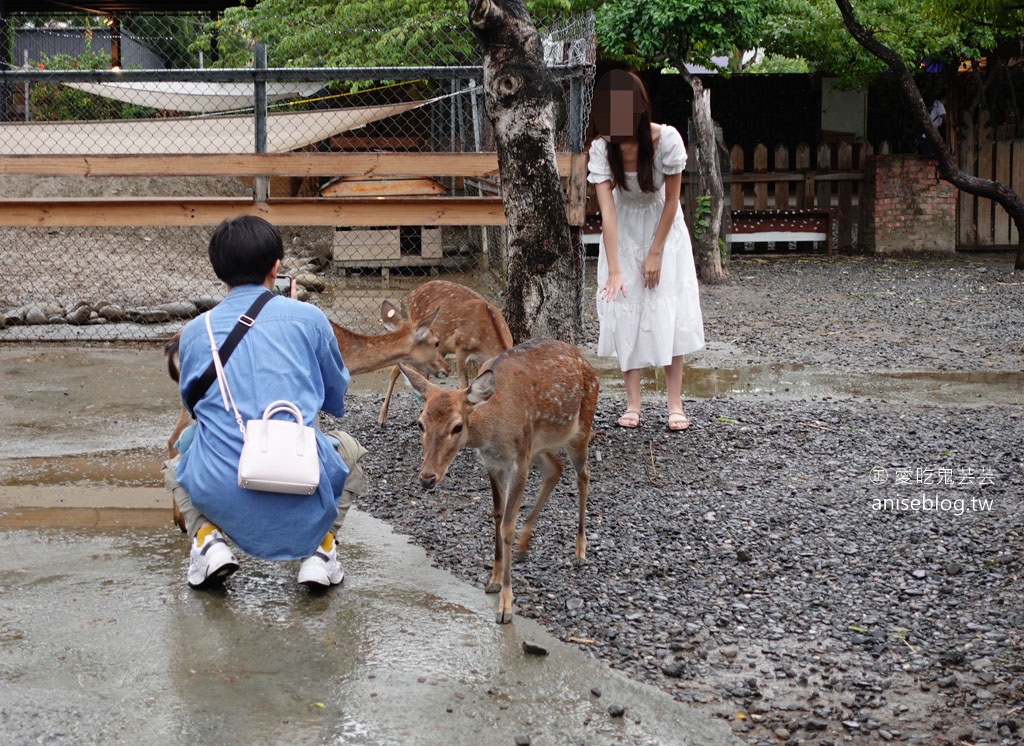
(938, 116)
(648, 301)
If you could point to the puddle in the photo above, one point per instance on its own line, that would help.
(788, 382)
(131, 468)
(100, 417)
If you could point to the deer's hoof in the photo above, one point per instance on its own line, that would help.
(579, 561)
(519, 555)
(492, 588)
(504, 617)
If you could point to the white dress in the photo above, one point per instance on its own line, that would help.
(648, 327)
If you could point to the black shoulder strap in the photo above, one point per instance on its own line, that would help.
(199, 388)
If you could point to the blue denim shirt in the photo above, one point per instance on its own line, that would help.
(289, 353)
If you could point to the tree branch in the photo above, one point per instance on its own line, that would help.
(911, 95)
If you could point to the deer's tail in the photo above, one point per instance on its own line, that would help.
(171, 351)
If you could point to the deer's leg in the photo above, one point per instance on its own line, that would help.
(513, 499)
(551, 471)
(494, 585)
(462, 366)
(382, 417)
(184, 419)
(578, 456)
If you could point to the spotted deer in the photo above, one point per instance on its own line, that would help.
(467, 326)
(405, 341)
(525, 405)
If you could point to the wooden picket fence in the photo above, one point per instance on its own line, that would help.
(828, 176)
(989, 153)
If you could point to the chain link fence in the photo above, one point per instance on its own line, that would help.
(122, 256)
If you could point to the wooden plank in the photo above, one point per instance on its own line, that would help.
(736, 177)
(781, 185)
(760, 187)
(178, 211)
(364, 165)
(351, 187)
(823, 190)
(771, 176)
(967, 229)
(805, 196)
(576, 190)
(844, 205)
(1017, 182)
(984, 171)
(1001, 218)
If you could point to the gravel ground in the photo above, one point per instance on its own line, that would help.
(761, 565)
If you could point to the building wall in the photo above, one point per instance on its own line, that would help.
(46, 42)
(906, 208)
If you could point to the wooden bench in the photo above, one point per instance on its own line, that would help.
(759, 226)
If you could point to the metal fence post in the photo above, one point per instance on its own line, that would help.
(260, 184)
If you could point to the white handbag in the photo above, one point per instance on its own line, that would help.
(277, 455)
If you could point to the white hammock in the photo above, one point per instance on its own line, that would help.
(196, 96)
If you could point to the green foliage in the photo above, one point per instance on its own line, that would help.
(701, 221)
(774, 64)
(701, 215)
(646, 32)
(56, 102)
(359, 33)
(923, 30)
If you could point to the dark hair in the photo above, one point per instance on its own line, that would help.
(624, 80)
(243, 250)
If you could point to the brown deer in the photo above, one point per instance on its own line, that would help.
(468, 326)
(406, 341)
(524, 406)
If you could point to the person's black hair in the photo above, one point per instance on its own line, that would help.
(619, 80)
(243, 250)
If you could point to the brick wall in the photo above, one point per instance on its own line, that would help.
(905, 207)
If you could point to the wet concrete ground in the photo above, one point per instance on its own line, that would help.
(101, 641)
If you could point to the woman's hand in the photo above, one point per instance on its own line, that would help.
(613, 287)
(652, 270)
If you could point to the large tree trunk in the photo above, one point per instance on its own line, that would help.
(525, 106)
(948, 169)
(706, 250)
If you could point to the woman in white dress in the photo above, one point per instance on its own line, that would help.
(648, 302)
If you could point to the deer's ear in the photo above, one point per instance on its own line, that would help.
(482, 388)
(390, 316)
(429, 320)
(417, 381)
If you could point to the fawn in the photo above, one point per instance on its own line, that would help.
(467, 326)
(525, 405)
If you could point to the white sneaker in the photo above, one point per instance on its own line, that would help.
(321, 570)
(210, 563)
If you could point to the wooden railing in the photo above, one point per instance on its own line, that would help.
(827, 177)
(367, 209)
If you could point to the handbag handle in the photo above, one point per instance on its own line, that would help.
(281, 405)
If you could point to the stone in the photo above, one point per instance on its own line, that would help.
(311, 281)
(532, 648)
(179, 309)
